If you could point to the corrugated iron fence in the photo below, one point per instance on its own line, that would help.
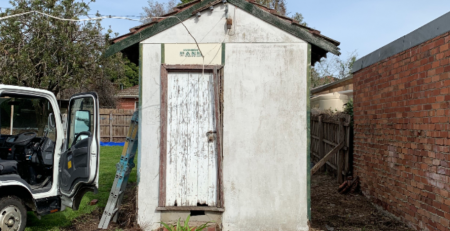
(327, 131)
(114, 124)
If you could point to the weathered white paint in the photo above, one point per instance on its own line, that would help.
(191, 158)
(149, 128)
(211, 28)
(265, 126)
(189, 54)
(265, 137)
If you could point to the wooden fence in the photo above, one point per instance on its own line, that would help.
(114, 124)
(327, 131)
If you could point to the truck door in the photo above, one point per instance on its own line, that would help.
(78, 168)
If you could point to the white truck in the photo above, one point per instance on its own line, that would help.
(42, 169)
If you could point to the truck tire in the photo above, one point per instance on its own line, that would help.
(13, 214)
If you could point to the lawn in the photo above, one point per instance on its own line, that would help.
(109, 157)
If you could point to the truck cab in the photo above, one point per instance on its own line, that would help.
(45, 165)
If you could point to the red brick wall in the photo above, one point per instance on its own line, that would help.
(127, 104)
(402, 134)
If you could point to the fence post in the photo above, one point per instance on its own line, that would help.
(347, 148)
(110, 126)
(321, 144)
(341, 155)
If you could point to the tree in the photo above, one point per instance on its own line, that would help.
(330, 69)
(299, 17)
(131, 73)
(278, 5)
(156, 9)
(59, 56)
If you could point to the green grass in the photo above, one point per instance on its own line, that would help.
(109, 157)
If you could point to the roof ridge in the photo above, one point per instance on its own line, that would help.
(284, 23)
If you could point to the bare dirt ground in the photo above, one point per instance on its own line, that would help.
(126, 219)
(332, 211)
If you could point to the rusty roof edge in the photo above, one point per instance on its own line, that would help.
(286, 26)
(206, 7)
(259, 4)
(250, 8)
(187, 4)
(155, 29)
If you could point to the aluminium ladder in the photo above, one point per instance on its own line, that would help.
(124, 168)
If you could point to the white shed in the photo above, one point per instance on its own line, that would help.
(224, 115)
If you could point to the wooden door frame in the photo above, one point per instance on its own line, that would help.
(217, 71)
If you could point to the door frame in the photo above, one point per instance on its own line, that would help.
(217, 71)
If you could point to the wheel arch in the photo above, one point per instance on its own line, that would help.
(19, 192)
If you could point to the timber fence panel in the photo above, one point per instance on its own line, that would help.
(327, 132)
(114, 124)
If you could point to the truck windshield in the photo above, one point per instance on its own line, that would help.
(19, 114)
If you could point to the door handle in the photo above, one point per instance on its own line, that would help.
(211, 136)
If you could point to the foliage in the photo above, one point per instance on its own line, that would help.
(185, 1)
(348, 109)
(299, 17)
(318, 80)
(278, 5)
(42, 52)
(329, 69)
(186, 227)
(109, 156)
(156, 9)
(131, 73)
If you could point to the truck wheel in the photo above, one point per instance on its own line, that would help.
(13, 214)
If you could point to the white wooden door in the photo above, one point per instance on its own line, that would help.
(191, 172)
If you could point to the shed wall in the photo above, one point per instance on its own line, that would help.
(265, 137)
(149, 135)
(265, 123)
(402, 145)
(211, 28)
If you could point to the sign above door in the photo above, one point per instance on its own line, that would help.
(189, 54)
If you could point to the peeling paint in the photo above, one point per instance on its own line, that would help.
(191, 173)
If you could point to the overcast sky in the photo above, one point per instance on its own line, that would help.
(360, 25)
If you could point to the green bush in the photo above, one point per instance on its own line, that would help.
(186, 227)
(348, 109)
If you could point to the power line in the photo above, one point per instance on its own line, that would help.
(70, 20)
(100, 18)
(129, 16)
